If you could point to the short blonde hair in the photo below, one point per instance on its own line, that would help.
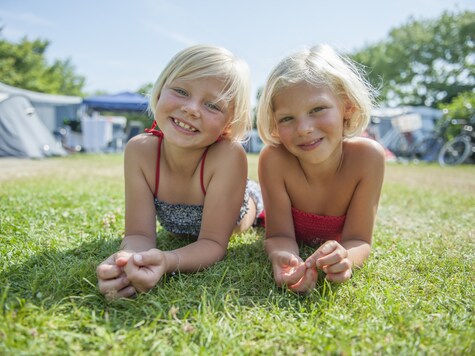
(319, 66)
(210, 61)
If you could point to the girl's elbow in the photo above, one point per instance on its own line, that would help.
(221, 254)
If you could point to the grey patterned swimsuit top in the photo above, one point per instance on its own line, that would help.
(184, 219)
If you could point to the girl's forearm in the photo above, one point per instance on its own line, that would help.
(195, 256)
(137, 243)
(277, 244)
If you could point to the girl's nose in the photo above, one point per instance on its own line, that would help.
(191, 109)
(304, 126)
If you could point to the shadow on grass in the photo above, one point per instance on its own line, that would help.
(66, 280)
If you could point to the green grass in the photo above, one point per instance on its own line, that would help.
(60, 217)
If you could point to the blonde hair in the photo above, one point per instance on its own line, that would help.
(210, 61)
(319, 66)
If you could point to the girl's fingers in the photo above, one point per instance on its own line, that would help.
(151, 257)
(294, 274)
(339, 277)
(122, 258)
(109, 286)
(126, 292)
(307, 283)
(143, 263)
(108, 271)
(131, 268)
(334, 257)
(338, 267)
(324, 250)
(287, 259)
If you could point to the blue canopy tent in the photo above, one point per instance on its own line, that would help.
(125, 101)
(121, 102)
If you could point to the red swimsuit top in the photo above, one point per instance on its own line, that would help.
(313, 230)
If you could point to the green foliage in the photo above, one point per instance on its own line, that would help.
(145, 89)
(60, 217)
(461, 109)
(424, 62)
(24, 65)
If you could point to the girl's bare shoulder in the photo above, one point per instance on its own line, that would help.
(141, 146)
(278, 161)
(365, 148)
(227, 153)
(227, 148)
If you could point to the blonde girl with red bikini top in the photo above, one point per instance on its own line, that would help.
(191, 173)
(320, 182)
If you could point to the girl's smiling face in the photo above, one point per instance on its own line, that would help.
(191, 112)
(309, 121)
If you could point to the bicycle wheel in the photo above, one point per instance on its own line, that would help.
(428, 150)
(456, 151)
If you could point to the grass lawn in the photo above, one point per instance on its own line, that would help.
(60, 217)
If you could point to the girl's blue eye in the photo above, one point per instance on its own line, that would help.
(285, 119)
(214, 107)
(180, 91)
(317, 109)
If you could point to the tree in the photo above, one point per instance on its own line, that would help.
(24, 65)
(462, 108)
(424, 62)
(145, 89)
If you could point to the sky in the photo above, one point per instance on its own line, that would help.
(120, 45)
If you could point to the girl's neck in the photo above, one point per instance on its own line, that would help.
(181, 160)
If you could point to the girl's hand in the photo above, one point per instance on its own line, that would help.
(331, 258)
(307, 282)
(112, 280)
(288, 269)
(145, 269)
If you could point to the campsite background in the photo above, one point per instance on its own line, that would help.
(417, 53)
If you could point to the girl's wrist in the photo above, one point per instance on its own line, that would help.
(136, 243)
(173, 261)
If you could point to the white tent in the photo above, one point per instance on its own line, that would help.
(22, 133)
(51, 109)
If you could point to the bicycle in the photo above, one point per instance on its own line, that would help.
(461, 148)
(417, 145)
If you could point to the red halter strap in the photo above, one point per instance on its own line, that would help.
(203, 170)
(159, 134)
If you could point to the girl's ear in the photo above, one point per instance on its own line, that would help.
(275, 135)
(227, 129)
(349, 108)
(226, 132)
(348, 111)
(274, 132)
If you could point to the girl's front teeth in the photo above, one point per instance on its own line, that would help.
(185, 126)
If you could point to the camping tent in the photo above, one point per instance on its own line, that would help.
(22, 133)
(51, 109)
(117, 102)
